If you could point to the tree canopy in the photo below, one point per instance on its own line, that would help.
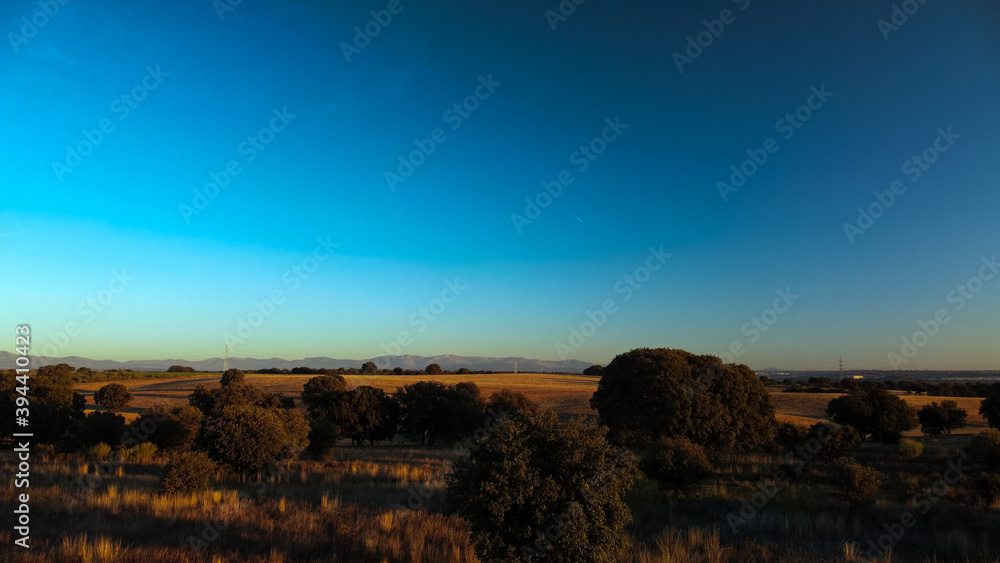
(650, 393)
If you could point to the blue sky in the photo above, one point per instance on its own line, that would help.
(114, 255)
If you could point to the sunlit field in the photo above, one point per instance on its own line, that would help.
(387, 502)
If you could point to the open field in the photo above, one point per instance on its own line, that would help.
(387, 503)
(568, 395)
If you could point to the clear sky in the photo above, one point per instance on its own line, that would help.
(116, 119)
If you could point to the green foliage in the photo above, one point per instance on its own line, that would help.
(232, 377)
(509, 403)
(990, 407)
(941, 419)
(369, 368)
(837, 440)
(533, 488)
(647, 394)
(433, 369)
(857, 483)
(320, 393)
(247, 438)
(114, 397)
(910, 448)
(144, 452)
(234, 392)
(676, 464)
(789, 436)
(431, 411)
(986, 488)
(180, 369)
(189, 472)
(594, 370)
(984, 448)
(323, 435)
(100, 451)
(873, 411)
(103, 426)
(364, 414)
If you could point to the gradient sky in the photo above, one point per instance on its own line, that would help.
(64, 236)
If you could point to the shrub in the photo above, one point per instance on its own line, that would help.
(857, 483)
(144, 452)
(789, 436)
(247, 438)
(873, 411)
(100, 451)
(431, 411)
(941, 419)
(984, 448)
(534, 489)
(910, 448)
(113, 397)
(646, 394)
(189, 472)
(232, 377)
(676, 464)
(319, 393)
(986, 488)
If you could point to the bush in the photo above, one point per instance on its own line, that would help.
(910, 448)
(144, 452)
(986, 488)
(534, 489)
(113, 397)
(189, 472)
(646, 394)
(430, 411)
(676, 464)
(873, 411)
(857, 483)
(247, 438)
(100, 451)
(232, 377)
(319, 393)
(941, 419)
(984, 448)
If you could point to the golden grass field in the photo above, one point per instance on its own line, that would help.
(568, 395)
(356, 504)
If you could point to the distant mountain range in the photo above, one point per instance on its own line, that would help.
(447, 362)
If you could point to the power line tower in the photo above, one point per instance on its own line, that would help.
(515, 368)
(225, 361)
(842, 367)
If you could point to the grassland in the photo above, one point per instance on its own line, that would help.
(386, 503)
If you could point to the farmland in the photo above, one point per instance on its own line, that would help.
(387, 503)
